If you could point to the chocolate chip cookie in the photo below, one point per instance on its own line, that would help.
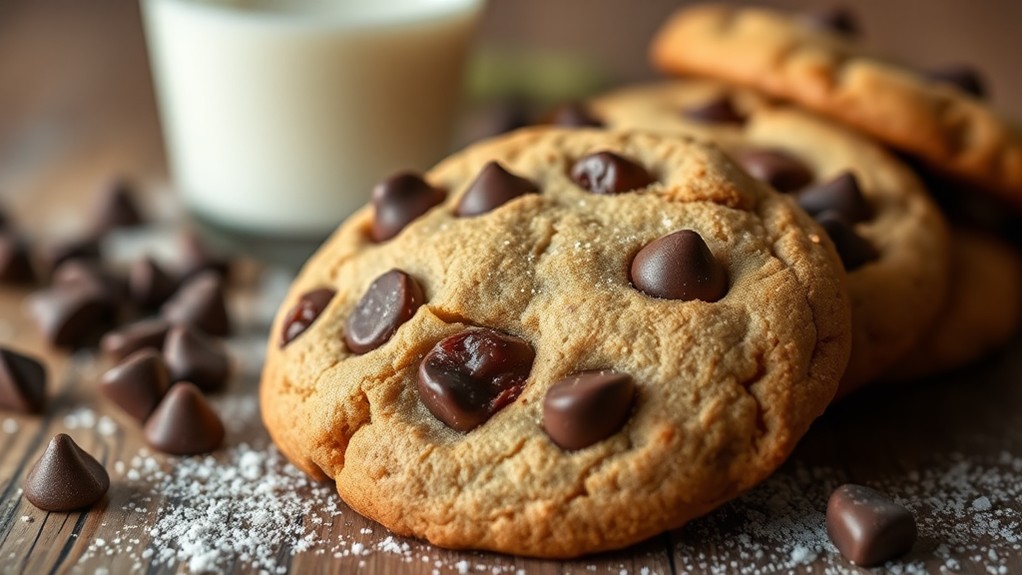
(890, 235)
(939, 115)
(558, 342)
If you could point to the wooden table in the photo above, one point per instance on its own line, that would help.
(73, 113)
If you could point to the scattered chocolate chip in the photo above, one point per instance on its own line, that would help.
(390, 301)
(200, 302)
(720, 110)
(574, 115)
(867, 527)
(777, 168)
(609, 173)
(147, 333)
(493, 187)
(196, 258)
(15, 260)
(70, 315)
(469, 376)
(679, 266)
(65, 477)
(90, 275)
(184, 423)
(137, 384)
(301, 316)
(855, 251)
(965, 78)
(587, 407)
(842, 194)
(80, 249)
(115, 208)
(838, 19)
(192, 356)
(399, 200)
(22, 382)
(148, 285)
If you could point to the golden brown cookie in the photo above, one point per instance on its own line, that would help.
(832, 73)
(558, 342)
(895, 242)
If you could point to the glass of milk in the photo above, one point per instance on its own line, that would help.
(279, 116)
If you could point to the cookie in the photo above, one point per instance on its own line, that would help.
(937, 116)
(983, 310)
(558, 342)
(891, 236)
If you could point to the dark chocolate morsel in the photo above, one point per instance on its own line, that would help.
(301, 316)
(115, 208)
(842, 195)
(390, 301)
(184, 423)
(609, 173)
(193, 356)
(76, 249)
(777, 168)
(838, 19)
(965, 78)
(855, 250)
(148, 285)
(70, 315)
(493, 187)
(15, 260)
(867, 527)
(471, 375)
(22, 382)
(146, 333)
(65, 478)
(679, 266)
(91, 275)
(200, 302)
(720, 110)
(587, 407)
(195, 257)
(137, 384)
(399, 200)
(574, 115)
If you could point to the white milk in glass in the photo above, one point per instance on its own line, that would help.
(279, 116)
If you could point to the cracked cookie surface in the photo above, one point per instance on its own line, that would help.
(718, 392)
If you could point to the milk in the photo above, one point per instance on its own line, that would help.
(280, 115)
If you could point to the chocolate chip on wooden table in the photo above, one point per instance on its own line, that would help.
(71, 314)
(389, 302)
(184, 423)
(779, 169)
(298, 319)
(965, 78)
(471, 375)
(148, 284)
(855, 250)
(146, 333)
(193, 356)
(22, 382)
(398, 201)
(868, 527)
(679, 266)
(65, 478)
(115, 207)
(492, 188)
(15, 260)
(841, 194)
(607, 172)
(574, 115)
(720, 110)
(587, 407)
(86, 248)
(90, 274)
(200, 302)
(138, 383)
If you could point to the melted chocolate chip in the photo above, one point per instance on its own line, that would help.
(147, 333)
(777, 168)
(65, 478)
(679, 266)
(304, 313)
(200, 302)
(837, 19)
(390, 301)
(720, 110)
(193, 356)
(842, 195)
(115, 208)
(867, 527)
(855, 251)
(587, 407)
(148, 285)
(574, 115)
(15, 260)
(399, 200)
(22, 382)
(137, 384)
(184, 423)
(965, 78)
(609, 173)
(469, 376)
(494, 187)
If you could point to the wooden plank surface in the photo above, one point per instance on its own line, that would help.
(76, 108)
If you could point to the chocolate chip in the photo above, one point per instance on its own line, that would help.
(867, 527)
(587, 407)
(70, 315)
(90, 274)
(192, 356)
(22, 382)
(471, 375)
(965, 78)
(184, 423)
(399, 200)
(148, 285)
(301, 316)
(390, 301)
(200, 302)
(15, 260)
(115, 208)
(574, 115)
(679, 266)
(855, 251)
(65, 477)
(147, 333)
(777, 168)
(838, 19)
(720, 110)
(609, 173)
(137, 384)
(842, 195)
(80, 249)
(493, 187)
(196, 257)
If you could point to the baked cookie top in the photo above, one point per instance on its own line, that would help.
(889, 233)
(558, 342)
(827, 70)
